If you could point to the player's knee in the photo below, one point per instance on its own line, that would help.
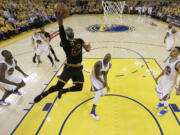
(23, 83)
(79, 86)
(96, 99)
(8, 92)
(59, 85)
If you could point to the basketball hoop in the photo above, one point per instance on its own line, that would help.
(113, 8)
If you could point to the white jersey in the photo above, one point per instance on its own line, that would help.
(37, 38)
(96, 84)
(42, 48)
(10, 76)
(171, 35)
(170, 75)
(9, 67)
(169, 78)
(170, 41)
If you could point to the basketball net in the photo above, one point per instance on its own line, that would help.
(113, 11)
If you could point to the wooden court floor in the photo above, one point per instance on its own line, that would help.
(128, 109)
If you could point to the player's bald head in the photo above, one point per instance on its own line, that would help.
(107, 57)
(6, 54)
(69, 32)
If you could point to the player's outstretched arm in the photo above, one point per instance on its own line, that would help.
(62, 33)
(20, 70)
(59, 18)
(161, 74)
(105, 79)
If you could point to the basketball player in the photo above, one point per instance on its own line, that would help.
(42, 47)
(99, 81)
(38, 36)
(73, 67)
(8, 78)
(169, 39)
(48, 37)
(167, 84)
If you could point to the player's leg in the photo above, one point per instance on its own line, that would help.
(39, 59)
(161, 102)
(78, 81)
(162, 93)
(46, 50)
(99, 91)
(169, 45)
(4, 97)
(51, 60)
(16, 79)
(54, 54)
(39, 52)
(62, 80)
(34, 58)
(166, 104)
(95, 102)
(16, 90)
(169, 51)
(7, 92)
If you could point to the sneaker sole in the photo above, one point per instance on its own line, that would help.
(96, 118)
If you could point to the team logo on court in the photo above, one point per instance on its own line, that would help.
(109, 28)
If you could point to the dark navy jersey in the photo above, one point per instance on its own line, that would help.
(73, 48)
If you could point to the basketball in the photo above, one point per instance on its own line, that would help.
(62, 9)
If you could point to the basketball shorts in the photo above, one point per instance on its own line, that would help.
(163, 88)
(41, 49)
(96, 85)
(74, 73)
(12, 78)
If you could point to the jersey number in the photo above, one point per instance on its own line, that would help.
(76, 50)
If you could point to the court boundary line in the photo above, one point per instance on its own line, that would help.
(174, 114)
(61, 129)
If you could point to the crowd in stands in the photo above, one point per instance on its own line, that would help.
(21, 15)
(158, 9)
(18, 16)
